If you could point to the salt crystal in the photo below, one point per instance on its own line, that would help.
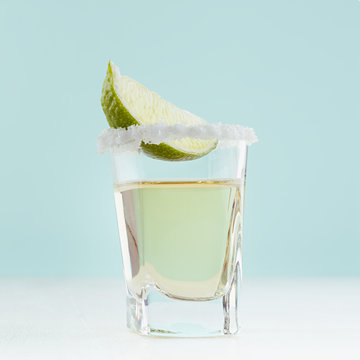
(130, 139)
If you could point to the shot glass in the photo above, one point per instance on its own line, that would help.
(181, 226)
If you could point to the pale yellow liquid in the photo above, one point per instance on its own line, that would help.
(182, 237)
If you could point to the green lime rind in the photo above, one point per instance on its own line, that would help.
(164, 151)
(116, 113)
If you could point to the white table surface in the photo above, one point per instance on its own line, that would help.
(66, 318)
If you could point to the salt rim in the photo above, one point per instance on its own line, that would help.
(130, 139)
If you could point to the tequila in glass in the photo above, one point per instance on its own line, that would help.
(181, 237)
(180, 226)
(179, 191)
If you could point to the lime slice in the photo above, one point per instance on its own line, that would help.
(126, 102)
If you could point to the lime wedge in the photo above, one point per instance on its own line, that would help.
(126, 102)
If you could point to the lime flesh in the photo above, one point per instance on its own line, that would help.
(126, 102)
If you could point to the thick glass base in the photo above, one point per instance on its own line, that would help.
(156, 314)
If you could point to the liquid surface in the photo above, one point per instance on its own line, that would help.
(182, 238)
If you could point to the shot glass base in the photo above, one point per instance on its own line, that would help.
(156, 314)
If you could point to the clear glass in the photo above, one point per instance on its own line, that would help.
(180, 226)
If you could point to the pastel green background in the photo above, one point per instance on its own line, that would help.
(289, 69)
